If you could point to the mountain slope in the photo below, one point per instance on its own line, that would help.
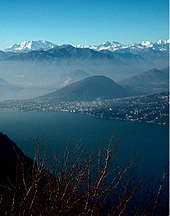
(64, 52)
(4, 85)
(151, 81)
(157, 53)
(9, 153)
(3, 82)
(74, 76)
(91, 88)
(166, 70)
(68, 51)
(9, 90)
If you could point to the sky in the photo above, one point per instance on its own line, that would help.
(83, 21)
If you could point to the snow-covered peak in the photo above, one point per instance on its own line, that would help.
(160, 45)
(31, 45)
(163, 42)
(160, 42)
(111, 46)
(168, 41)
(107, 43)
(146, 44)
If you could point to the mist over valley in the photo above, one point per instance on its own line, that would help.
(37, 70)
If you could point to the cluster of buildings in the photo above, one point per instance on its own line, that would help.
(150, 109)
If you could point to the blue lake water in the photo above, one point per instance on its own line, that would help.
(59, 130)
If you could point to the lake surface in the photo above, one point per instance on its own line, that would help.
(60, 129)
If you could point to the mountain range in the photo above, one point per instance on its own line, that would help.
(160, 45)
(40, 67)
(102, 87)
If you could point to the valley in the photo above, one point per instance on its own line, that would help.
(84, 108)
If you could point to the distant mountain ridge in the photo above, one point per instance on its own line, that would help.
(145, 55)
(4, 85)
(48, 68)
(3, 82)
(152, 81)
(160, 45)
(64, 52)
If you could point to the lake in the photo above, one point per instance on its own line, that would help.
(60, 129)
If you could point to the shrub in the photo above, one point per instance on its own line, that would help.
(79, 184)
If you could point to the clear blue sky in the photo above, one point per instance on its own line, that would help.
(83, 21)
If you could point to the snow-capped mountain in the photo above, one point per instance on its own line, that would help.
(31, 45)
(160, 45)
(111, 46)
